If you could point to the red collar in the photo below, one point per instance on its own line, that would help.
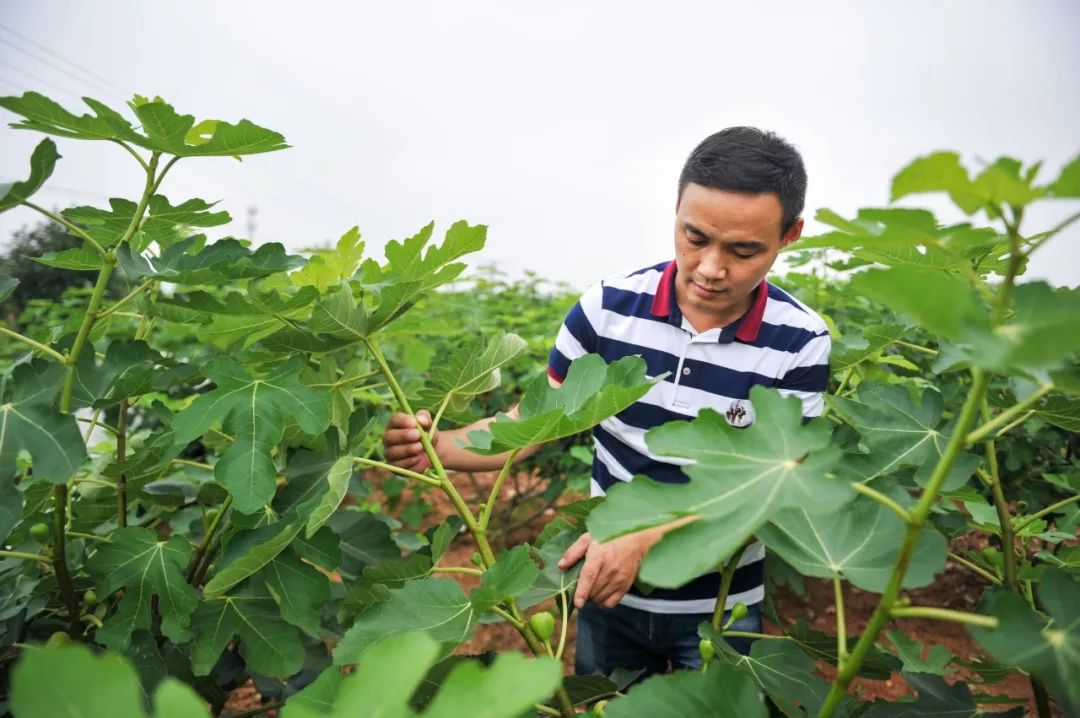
(749, 324)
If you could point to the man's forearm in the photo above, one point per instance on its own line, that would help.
(458, 458)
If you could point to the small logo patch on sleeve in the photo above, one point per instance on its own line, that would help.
(740, 414)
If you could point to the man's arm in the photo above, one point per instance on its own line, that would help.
(402, 447)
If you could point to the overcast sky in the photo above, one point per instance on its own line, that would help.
(562, 126)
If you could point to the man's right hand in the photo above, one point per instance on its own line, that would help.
(401, 442)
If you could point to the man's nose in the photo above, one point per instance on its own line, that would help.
(712, 266)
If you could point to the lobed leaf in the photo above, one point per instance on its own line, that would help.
(42, 162)
(721, 692)
(30, 422)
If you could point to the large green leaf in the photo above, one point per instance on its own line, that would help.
(436, 606)
(857, 542)
(592, 391)
(472, 369)
(1061, 410)
(253, 550)
(552, 580)
(739, 480)
(391, 672)
(413, 267)
(163, 130)
(254, 411)
(144, 565)
(163, 223)
(1068, 182)
(30, 422)
(127, 370)
(42, 162)
(365, 541)
(299, 589)
(936, 699)
(866, 343)
(79, 259)
(188, 261)
(71, 682)
(910, 652)
(1050, 650)
(271, 646)
(337, 483)
(900, 433)
(511, 575)
(721, 692)
(330, 267)
(939, 172)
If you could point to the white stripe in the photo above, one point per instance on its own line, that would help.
(813, 402)
(644, 283)
(700, 605)
(595, 490)
(691, 400)
(613, 466)
(634, 438)
(568, 345)
(592, 304)
(777, 311)
(736, 356)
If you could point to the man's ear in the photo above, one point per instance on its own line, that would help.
(793, 233)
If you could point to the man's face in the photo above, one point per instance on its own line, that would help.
(725, 243)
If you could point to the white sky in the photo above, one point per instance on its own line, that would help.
(562, 126)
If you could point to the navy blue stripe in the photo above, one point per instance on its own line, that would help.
(806, 378)
(779, 294)
(658, 267)
(746, 578)
(637, 463)
(629, 303)
(784, 338)
(580, 328)
(641, 415)
(706, 376)
(558, 363)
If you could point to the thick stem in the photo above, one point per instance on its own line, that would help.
(565, 609)
(26, 556)
(127, 298)
(59, 561)
(841, 625)
(193, 568)
(944, 614)
(918, 518)
(725, 587)
(36, 345)
(121, 454)
(84, 332)
(458, 569)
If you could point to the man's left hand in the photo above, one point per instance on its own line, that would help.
(609, 569)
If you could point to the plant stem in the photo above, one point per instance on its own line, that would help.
(87, 537)
(944, 614)
(848, 373)
(458, 569)
(725, 586)
(26, 556)
(975, 568)
(59, 561)
(841, 626)
(196, 464)
(133, 153)
(1028, 520)
(36, 345)
(503, 614)
(398, 470)
(916, 347)
(1008, 542)
(881, 499)
(565, 608)
(546, 710)
(127, 298)
(918, 516)
(121, 454)
(485, 516)
(1006, 416)
(749, 634)
(73, 228)
(201, 550)
(84, 332)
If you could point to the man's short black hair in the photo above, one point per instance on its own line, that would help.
(746, 159)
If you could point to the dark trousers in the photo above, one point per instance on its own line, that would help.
(624, 637)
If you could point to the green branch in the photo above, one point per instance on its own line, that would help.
(992, 425)
(193, 568)
(84, 331)
(458, 569)
(841, 626)
(882, 499)
(133, 153)
(59, 561)
(944, 614)
(975, 568)
(397, 470)
(1001, 506)
(127, 298)
(25, 556)
(725, 587)
(1028, 520)
(71, 227)
(36, 345)
(485, 516)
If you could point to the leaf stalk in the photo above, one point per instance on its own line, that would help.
(36, 345)
(944, 614)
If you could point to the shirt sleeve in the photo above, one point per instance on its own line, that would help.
(578, 334)
(808, 377)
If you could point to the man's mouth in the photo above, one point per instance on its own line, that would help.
(707, 290)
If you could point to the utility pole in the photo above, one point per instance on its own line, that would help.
(251, 224)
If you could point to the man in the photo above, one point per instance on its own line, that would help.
(713, 323)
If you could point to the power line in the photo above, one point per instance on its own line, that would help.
(49, 63)
(61, 58)
(35, 78)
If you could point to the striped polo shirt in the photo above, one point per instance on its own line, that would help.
(779, 342)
